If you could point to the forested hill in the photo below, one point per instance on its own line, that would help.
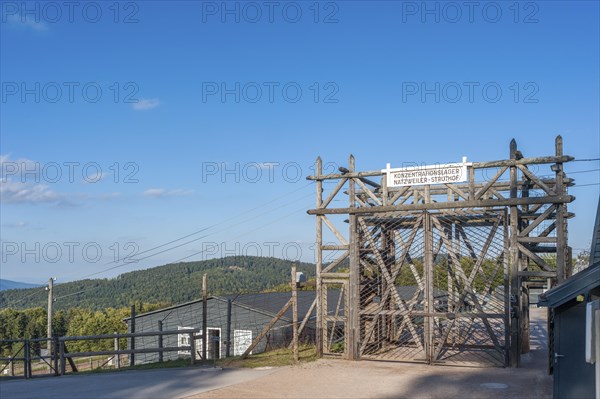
(172, 283)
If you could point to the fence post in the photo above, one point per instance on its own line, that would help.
(117, 357)
(192, 348)
(132, 339)
(204, 317)
(27, 360)
(228, 342)
(55, 355)
(295, 313)
(11, 367)
(63, 363)
(160, 341)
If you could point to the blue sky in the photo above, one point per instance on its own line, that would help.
(135, 175)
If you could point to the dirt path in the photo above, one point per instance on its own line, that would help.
(368, 379)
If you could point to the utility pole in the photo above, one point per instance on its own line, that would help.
(204, 318)
(295, 312)
(49, 332)
(49, 289)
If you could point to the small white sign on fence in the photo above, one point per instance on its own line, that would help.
(429, 174)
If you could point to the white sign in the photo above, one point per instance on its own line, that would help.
(430, 174)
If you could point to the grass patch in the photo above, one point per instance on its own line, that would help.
(149, 366)
(273, 358)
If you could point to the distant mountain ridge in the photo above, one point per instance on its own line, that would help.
(172, 283)
(14, 285)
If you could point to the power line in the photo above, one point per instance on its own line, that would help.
(189, 256)
(126, 261)
(583, 171)
(586, 160)
(24, 298)
(216, 224)
(247, 232)
(190, 241)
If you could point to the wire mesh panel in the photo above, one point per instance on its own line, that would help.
(470, 289)
(334, 294)
(391, 288)
(432, 287)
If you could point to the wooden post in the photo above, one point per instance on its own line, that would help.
(319, 260)
(515, 291)
(524, 325)
(192, 348)
(524, 264)
(132, 339)
(530, 218)
(228, 338)
(50, 289)
(569, 265)
(27, 361)
(204, 317)
(295, 312)
(561, 220)
(428, 272)
(49, 324)
(507, 291)
(117, 359)
(352, 307)
(160, 341)
(471, 182)
(55, 355)
(63, 363)
(266, 329)
(305, 320)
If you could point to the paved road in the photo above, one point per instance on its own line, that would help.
(321, 379)
(134, 384)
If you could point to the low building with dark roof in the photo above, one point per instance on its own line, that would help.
(573, 375)
(232, 323)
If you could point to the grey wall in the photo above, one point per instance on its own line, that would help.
(190, 315)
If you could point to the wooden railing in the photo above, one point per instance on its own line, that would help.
(59, 356)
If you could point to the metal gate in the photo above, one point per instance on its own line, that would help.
(433, 287)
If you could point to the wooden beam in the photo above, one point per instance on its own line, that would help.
(294, 313)
(475, 165)
(352, 305)
(334, 230)
(266, 328)
(489, 184)
(537, 221)
(319, 261)
(332, 195)
(528, 274)
(515, 287)
(490, 203)
(539, 261)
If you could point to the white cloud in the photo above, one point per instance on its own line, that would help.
(21, 169)
(24, 193)
(161, 192)
(22, 182)
(26, 22)
(145, 104)
(16, 225)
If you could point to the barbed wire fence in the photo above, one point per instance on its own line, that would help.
(236, 325)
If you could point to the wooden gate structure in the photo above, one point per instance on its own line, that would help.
(438, 273)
